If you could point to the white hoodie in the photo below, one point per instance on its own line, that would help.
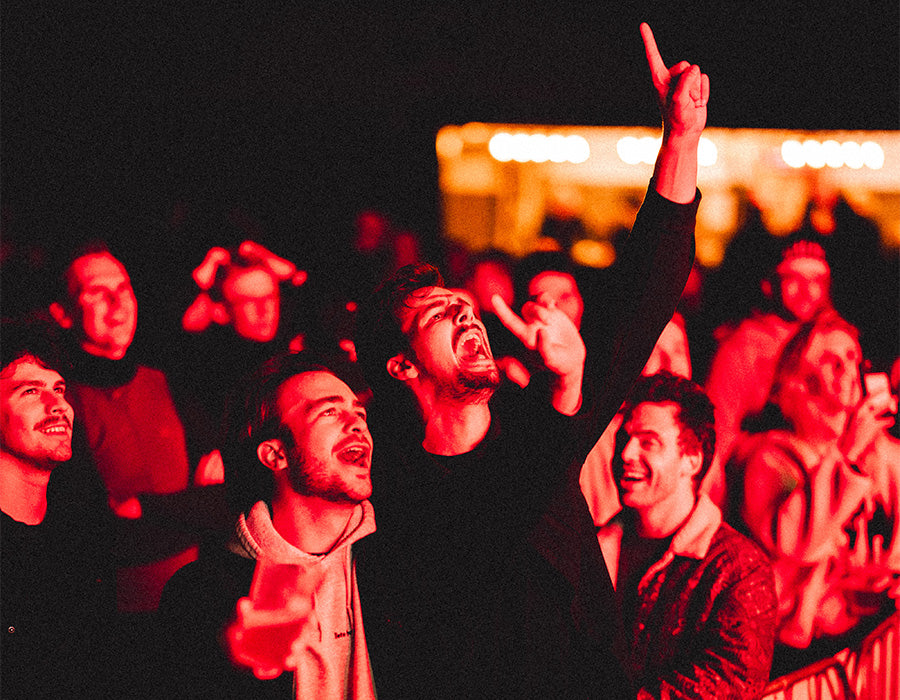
(335, 663)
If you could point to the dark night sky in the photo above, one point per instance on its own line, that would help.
(306, 115)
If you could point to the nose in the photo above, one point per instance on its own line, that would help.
(56, 403)
(462, 312)
(355, 423)
(629, 452)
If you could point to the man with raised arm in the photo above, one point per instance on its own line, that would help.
(490, 574)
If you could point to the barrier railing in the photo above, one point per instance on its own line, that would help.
(874, 669)
(869, 672)
(823, 680)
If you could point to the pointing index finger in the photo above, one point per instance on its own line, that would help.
(657, 66)
(511, 320)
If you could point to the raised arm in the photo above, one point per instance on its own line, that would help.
(682, 93)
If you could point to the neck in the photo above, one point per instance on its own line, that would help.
(665, 517)
(311, 524)
(455, 427)
(23, 489)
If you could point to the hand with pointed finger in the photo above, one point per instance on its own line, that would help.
(548, 330)
(682, 91)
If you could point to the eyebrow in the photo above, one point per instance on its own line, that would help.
(317, 403)
(103, 287)
(644, 433)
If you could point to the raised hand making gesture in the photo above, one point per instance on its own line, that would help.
(548, 330)
(682, 93)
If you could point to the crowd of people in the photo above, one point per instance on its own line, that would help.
(506, 482)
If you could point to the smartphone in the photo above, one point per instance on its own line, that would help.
(877, 384)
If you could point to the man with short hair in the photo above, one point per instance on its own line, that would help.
(137, 442)
(56, 589)
(489, 566)
(698, 598)
(298, 466)
(132, 428)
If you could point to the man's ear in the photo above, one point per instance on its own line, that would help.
(401, 368)
(60, 315)
(695, 460)
(272, 454)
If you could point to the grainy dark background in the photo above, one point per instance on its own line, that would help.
(113, 113)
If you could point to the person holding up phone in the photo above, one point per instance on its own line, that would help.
(819, 490)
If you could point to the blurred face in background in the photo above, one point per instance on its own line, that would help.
(827, 387)
(562, 290)
(102, 307)
(253, 302)
(490, 278)
(804, 287)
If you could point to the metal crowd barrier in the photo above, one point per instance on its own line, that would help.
(869, 672)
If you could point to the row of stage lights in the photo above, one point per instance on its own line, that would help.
(556, 148)
(833, 154)
(538, 148)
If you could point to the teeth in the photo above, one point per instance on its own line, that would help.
(353, 454)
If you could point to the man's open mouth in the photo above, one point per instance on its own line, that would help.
(632, 475)
(356, 454)
(470, 345)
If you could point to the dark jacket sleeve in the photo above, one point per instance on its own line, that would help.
(650, 278)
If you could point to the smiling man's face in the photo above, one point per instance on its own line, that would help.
(449, 343)
(36, 420)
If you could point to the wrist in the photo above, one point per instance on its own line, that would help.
(681, 137)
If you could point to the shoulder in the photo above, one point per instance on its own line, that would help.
(151, 376)
(740, 549)
(742, 567)
(772, 452)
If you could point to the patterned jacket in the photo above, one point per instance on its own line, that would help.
(705, 623)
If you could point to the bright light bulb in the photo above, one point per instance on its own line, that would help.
(627, 148)
(792, 154)
(538, 149)
(853, 156)
(831, 152)
(872, 155)
(556, 145)
(707, 153)
(500, 147)
(578, 149)
(812, 153)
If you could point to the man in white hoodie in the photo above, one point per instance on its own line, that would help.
(298, 473)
